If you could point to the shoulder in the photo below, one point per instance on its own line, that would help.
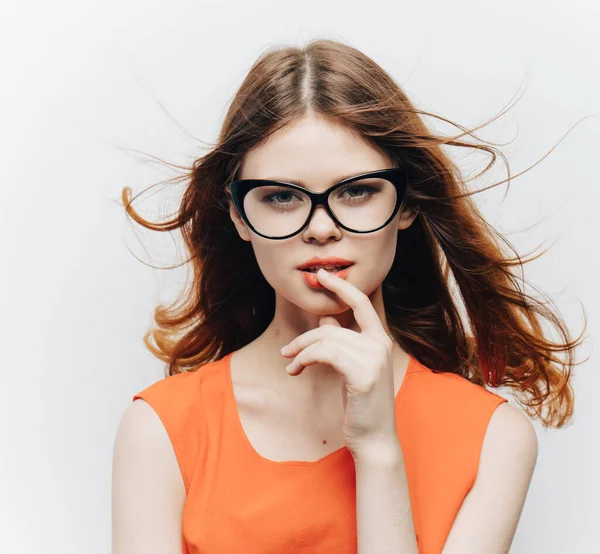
(176, 404)
(178, 397)
(141, 434)
(490, 512)
(502, 421)
(150, 427)
(509, 433)
(451, 393)
(180, 384)
(453, 413)
(148, 492)
(508, 455)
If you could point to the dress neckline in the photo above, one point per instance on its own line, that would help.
(411, 367)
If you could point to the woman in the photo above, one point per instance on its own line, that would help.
(342, 409)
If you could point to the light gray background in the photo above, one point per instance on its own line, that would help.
(80, 79)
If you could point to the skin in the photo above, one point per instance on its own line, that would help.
(148, 492)
(333, 151)
(384, 515)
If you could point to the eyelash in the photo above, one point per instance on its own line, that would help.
(269, 197)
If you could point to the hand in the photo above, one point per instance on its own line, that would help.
(364, 361)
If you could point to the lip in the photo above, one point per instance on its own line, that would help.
(313, 282)
(332, 260)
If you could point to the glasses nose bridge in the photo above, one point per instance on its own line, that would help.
(321, 199)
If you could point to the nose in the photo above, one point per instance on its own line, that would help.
(321, 226)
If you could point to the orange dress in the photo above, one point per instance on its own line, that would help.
(239, 501)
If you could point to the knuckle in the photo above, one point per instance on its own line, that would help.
(314, 346)
(367, 385)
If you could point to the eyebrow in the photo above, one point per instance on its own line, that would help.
(335, 181)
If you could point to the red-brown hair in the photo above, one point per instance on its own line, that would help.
(229, 303)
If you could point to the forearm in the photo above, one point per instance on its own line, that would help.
(383, 511)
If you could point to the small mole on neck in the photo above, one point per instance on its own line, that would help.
(324, 441)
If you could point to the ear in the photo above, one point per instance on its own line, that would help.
(239, 223)
(407, 216)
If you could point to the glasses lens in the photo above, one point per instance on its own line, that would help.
(364, 205)
(278, 210)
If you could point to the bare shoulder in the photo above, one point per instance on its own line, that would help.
(509, 452)
(148, 492)
(141, 427)
(488, 518)
(510, 428)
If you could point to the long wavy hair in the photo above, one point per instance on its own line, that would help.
(497, 341)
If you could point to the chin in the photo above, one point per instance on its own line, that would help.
(316, 302)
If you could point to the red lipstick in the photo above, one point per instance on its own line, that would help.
(308, 269)
(322, 262)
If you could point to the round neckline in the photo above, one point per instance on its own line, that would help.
(239, 428)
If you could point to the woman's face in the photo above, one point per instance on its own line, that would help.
(318, 153)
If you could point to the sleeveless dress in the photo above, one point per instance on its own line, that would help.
(239, 501)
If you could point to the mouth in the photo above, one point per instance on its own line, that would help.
(310, 274)
(331, 269)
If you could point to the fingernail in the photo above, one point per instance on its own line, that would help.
(323, 273)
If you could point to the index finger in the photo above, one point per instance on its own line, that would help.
(364, 312)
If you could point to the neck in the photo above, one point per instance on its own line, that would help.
(317, 380)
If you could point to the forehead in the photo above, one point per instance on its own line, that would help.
(312, 152)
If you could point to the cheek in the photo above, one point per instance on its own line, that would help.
(378, 251)
(374, 254)
(272, 259)
(376, 260)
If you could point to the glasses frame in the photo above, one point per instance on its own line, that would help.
(396, 175)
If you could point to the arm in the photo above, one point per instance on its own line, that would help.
(148, 492)
(488, 517)
(384, 522)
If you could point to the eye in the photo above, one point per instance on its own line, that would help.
(286, 194)
(358, 192)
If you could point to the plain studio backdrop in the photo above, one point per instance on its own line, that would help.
(83, 81)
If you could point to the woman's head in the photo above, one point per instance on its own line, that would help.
(319, 153)
(449, 291)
